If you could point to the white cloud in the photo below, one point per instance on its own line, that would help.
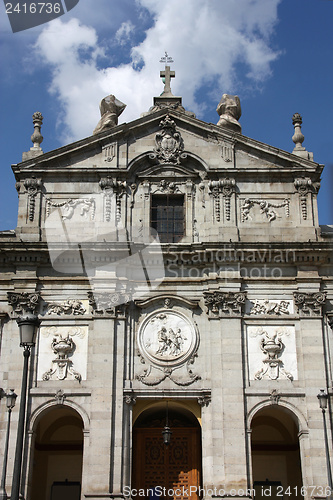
(123, 34)
(207, 38)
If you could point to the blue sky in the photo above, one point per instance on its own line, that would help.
(275, 54)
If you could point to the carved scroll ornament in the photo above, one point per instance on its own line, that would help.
(224, 303)
(310, 304)
(24, 302)
(113, 304)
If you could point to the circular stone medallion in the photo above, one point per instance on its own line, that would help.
(167, 338)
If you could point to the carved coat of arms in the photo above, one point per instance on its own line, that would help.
(169, 143)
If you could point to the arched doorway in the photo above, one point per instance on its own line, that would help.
(57, 456)
(276, 463)
(176, 468)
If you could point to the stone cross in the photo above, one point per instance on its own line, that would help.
(167, 74)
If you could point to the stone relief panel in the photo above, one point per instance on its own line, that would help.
(263, 210)
(272, 352)
(167, 337)
(68, 307)
(167, 340)
(62, 353)
(76, 209)
(270, 307)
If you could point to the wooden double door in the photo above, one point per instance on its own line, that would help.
(174, 470)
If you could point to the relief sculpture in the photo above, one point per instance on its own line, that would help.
(279, 349)
(62, 353)
(271, 307)
(167, 341)
(171, 342)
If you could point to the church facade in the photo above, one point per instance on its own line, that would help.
(184, 295)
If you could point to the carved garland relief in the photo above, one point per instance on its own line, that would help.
(87, 208)
(268, 210)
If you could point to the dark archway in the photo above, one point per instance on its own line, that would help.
(57, 455)
(176, 467)
(276, 463)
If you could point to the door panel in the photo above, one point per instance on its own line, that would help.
(176, 467)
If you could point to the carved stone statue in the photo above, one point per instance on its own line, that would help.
(229, 109)
(110, 108)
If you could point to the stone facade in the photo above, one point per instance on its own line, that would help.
(231, 320)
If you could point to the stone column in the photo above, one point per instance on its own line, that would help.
(96, 447)
(207, 442)
(128, 409)
(233, 405)
(119, 417)
(229, 470)
(305, 454)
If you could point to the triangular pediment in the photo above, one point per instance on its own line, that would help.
(127, 147)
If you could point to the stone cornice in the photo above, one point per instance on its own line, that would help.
(13, 252)
(15, 244)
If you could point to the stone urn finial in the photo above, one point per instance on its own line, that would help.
(298, 137)
(37, 138)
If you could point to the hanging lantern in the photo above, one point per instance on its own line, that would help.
(166, 433)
